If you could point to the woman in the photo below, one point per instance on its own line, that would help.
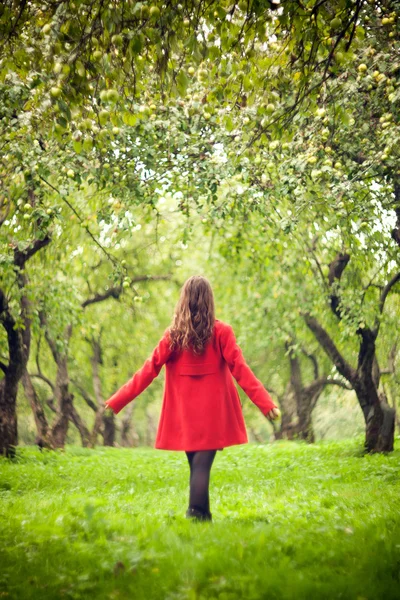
(201, 411)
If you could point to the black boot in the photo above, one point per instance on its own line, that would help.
(198, 515)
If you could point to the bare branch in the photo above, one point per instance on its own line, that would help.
(315, 388)
(43, 378)
(50, 404)
(151, 278)
(338, 382)
(80, 425)
(85, 395)
(113, 292)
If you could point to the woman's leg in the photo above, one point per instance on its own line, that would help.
(190, 460)
(200, 463)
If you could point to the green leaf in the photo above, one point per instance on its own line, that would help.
(77, 146)
(63, 122)
(229, 124)
(129, 119)
(182, 82)
(137, 43)
(64, 108)
(87, 144)
(247, 83)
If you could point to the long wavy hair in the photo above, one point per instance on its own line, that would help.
(193, 321)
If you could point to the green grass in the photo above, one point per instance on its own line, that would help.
(290, 521)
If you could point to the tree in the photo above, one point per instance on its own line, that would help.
(379, 417)
(18, 330)
(299, 399)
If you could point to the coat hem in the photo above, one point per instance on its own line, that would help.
(194, 449)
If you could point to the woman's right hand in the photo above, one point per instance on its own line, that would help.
(274, 414)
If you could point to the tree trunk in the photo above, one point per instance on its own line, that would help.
(289, 415)
(129, 435)
(81, 427)
(109, 429)
(298, 425)
(379, 416)
(305, 429)
(98, 426)
(65, 410)
(102, 420)
(8, 419)
(44, 438)
(18, 346)
(256, 436)
(150, 429)
(300, 400)
(64, 403)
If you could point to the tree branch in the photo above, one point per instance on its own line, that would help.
(338, 382)
(313, 359)
(311, 250)
(295, 371)
(43, 378)
(22, 256)
(50, 404)
(366, 354)
(113, 292)
(151, 278)
(328, 345)
(336, 268)
(116, 290)
(85, 227)
(85, 395)
(14, 27)
(50, 341)
(383, 297)
(3, 367)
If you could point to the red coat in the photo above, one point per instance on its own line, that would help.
(201, 406)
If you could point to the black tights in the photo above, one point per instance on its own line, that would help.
(200, 462)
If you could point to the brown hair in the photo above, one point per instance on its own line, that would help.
(194, 317)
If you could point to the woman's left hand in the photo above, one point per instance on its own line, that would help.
(274, 414)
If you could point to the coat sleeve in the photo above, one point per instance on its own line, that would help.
(143, 377)
(242, 372)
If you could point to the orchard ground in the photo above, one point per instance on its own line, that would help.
(290, 521)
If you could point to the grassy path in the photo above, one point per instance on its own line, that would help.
(290, 521)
